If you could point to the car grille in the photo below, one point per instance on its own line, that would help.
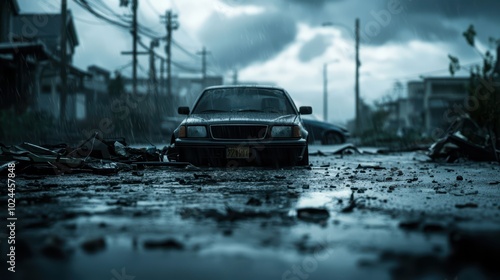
(238, 131)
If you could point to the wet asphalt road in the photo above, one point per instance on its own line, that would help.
(353, 217)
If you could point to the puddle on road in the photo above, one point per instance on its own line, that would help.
(321, 199)
(219, 262)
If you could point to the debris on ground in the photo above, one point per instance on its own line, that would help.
(254, 202)
(56, 248)
(229, 214)
(375, 167)
(166, 244)
(311, 214)
(353, 203)
(466, 205)
(95, 155)
(465, 139)
(343, 149)
(95, 245)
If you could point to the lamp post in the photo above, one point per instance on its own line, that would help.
(354, 34)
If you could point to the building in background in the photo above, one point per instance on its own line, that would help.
(44, 29)
(96, 91)
(8, 10)
(415, 110)
(185, 90)
(426, 106)
(441, 96)
(20, 63)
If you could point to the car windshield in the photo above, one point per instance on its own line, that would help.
(244, 100)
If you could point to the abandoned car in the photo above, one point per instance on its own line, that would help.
(241, 125)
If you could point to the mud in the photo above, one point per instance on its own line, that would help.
(390, 216)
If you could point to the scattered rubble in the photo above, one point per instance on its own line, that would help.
(466, 205)
(375, 167)
(311, 214)
(254, 202)
(166, 244)
(465, 139)
(95, 155)
(92, 246)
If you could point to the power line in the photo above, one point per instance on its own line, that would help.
(123, 67)
(85, 5)
(184, 50)
(186, 68)
(418, 75)
(88, 21)
(104, 12)
(152, 8)
(143, 70)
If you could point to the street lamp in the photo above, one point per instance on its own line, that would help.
(354, 35)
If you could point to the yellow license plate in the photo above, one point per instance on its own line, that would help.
(238, 152)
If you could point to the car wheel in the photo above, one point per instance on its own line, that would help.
(332, 138)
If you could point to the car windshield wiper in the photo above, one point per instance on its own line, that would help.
(211, 111)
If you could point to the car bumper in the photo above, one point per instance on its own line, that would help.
(214, 153)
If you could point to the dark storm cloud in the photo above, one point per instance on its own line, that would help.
(455, 8)
(384, 21)
(313, 48)
(311, 3)
(426, 20)
(240, 41)
(307, 3)
(404, 28)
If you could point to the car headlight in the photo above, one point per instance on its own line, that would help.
(196, 131)
(281, 131)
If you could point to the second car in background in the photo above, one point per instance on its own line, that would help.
(325, 132)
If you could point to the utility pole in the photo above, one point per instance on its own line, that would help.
(203, 54)
(135, 38)
(171, 25)
(358, 117)
(235, 77)
(162, 75)
(153, 85)
(134, 46)
(134, 53)
(325, 92)
(64, 62)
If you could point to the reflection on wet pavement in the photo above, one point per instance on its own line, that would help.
(360, 217)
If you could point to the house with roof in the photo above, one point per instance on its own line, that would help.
(19, 63)
(30, 63)
(46, 29)
(441, 96)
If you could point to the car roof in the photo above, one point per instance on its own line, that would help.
(245, 86)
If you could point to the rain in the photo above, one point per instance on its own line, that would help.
(231, 139)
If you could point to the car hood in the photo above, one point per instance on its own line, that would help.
(242, 117)
(325, 125)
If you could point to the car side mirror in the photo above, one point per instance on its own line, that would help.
(183, 110)
(305, 110)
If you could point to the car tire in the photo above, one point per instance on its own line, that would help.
(332, 138)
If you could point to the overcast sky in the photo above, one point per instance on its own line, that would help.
(283, 41)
